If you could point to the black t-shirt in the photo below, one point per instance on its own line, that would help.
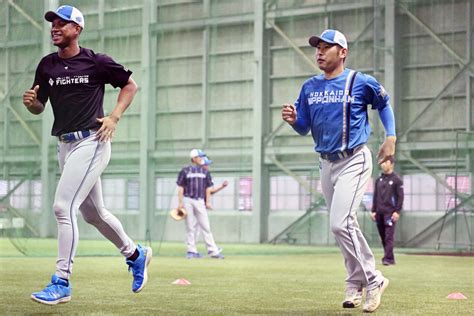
(75, 87)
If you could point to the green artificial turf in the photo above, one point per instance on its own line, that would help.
(252, 279)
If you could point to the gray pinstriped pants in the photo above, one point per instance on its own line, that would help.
(81, 163)
(343, 184)
(198, 219)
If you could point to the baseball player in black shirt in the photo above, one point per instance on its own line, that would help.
(386, 207)
(73, 79)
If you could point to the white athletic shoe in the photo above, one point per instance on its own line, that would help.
(374, 296)
(353, 297)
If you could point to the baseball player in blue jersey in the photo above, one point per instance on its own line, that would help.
(194, 192)
(73, 79)
(333, 106)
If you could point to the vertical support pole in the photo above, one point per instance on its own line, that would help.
(47, 175)
(377, 51)
(205, 75)
(392, 72)
(377, 37)
(101, 5)
(6, 123)
(470, 56)
(260, 173)
(147, 120)
(469, 85)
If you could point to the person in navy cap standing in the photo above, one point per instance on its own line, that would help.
(195, 187)
(73, 79)
(333, 106)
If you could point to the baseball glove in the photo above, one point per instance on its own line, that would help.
(178, 214)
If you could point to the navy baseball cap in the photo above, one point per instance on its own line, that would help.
(329, 36)
(67, 13)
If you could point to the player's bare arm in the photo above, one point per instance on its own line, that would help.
(109, 123)
(180, 197)
(288, 113)
(387, 149)
(222, 186)
(31, 101)
(208, 198)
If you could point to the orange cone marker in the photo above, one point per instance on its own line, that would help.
(181, 282)
(456, 296)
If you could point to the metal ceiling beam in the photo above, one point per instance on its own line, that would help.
(25, 15)
(6, 98)
(319, 9)
(249, 17)
(288, 171)
(428, 171)
(294, 46)
(428, 30)
(436, 99)
(201, 23)
(248, 152)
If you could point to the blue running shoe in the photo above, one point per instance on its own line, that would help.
(58, 291)
(139, 268)
(192, 255)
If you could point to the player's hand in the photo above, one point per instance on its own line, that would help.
(387, 149)
(395, 216)
(107, 130)
(208, 206)
(30, 97)
(225, 183)
(288, 113)
(373, 216)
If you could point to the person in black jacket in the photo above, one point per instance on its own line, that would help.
(386, 207)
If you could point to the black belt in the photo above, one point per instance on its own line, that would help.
(73, 136)
(341, 154)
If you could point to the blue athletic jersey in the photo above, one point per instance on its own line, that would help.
(322, 109)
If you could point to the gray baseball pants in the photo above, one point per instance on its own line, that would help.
(197, 218)
(344, 183)
(79, 188)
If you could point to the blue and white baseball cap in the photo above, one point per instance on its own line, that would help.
(67, 13)
(329, 36)
(197, 153)
(206, 161)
